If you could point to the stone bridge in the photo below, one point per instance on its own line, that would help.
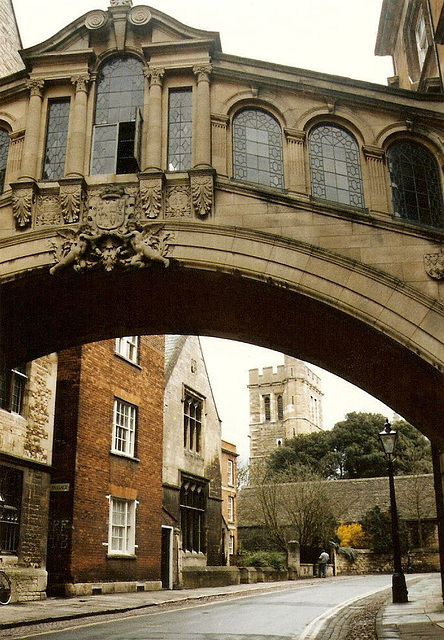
(216, 195)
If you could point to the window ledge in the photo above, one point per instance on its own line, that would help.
(119, 454)
(131, 362)
(121, 556)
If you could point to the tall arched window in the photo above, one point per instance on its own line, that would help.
(335, 166)
(118, 120)
(415, 182)
(280, 407)
(4, 149)
(257, 148)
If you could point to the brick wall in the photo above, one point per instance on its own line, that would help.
(93, 377)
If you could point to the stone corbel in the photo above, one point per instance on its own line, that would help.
(202, 191)
(72, 199)
(24, 197)
(151, 194)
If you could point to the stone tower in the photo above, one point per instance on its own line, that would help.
(10, 42)
(283, 404)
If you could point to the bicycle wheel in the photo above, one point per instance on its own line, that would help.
(5, 588)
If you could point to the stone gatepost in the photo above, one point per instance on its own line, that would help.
(294, 556)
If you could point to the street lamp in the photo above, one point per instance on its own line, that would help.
(399, 588)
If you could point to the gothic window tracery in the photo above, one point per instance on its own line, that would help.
(257, 149)
(335, 166)
(415, 183)
(118, 120)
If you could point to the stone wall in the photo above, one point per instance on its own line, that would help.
(416, 561)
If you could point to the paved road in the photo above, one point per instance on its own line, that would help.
(280, 615)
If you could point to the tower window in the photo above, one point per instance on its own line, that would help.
(192, 422)
(280, 407)
(267, 408)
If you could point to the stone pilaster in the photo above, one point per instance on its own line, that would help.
(379, 192)
(202, 146)
(77, 140)
(219, 126)
(32, 134)
(297, 179)
(153, 160)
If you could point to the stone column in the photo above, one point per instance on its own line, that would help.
(202, 144)
(32, 135)
(294, 557)
(77, 140)
(153, 159)
(296, 178)
(379, 193)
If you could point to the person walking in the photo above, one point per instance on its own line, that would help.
(323, 562)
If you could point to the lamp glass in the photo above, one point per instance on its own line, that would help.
(388, 439)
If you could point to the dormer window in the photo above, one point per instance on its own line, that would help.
(117, 138)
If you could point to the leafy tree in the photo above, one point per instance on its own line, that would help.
(352, 449)
(351, 535)
(377, 526)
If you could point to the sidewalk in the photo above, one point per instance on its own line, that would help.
(422, 618)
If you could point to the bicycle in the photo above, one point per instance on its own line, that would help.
(5, 588)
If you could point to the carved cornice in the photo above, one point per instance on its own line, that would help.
(373, 153)
(295, 136)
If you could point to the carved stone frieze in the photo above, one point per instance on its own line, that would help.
(47, 210)
(434, 265)
(202, 194)
(23, 199)
(72, 197)
(178, 201)
(151, 197)
(121, 3)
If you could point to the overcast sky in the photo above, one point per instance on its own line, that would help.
(331, 36)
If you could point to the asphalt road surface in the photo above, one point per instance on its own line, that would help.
(290, 614)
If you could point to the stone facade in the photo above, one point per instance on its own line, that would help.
(107, 463)
(26, 434)
(413, 34)
(283, 404)
(191, 460)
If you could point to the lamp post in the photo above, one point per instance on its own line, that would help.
(399, 588)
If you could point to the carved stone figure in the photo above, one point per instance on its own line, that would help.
(145, 245)
(74, 250)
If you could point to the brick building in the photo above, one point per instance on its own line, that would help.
(106, 491)
(283, 403)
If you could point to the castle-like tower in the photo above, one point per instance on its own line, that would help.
(283, 404)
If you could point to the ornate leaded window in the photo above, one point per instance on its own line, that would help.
(56, 140)
(257, 149)
(415, 182)
(4, 149)
(118, 121)
(180, 123)
(192, 422)
(335, 166)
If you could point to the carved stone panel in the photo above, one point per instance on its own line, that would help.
(434, 265)
(202, 193)
(48, 210)
(151, 189)
(178, 201)
(23, 200)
